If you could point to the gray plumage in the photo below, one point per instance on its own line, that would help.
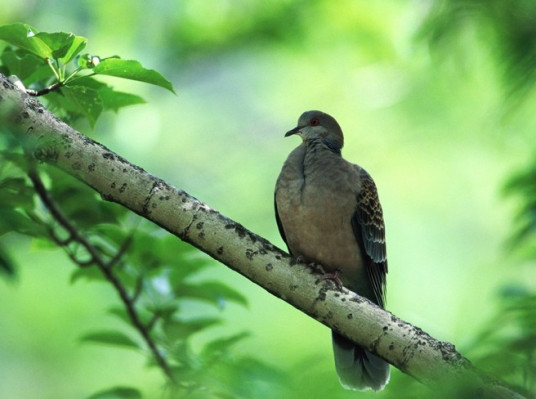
(328, 212)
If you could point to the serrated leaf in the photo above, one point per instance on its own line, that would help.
(133, 70)
(117, 393)
(84, 101)
(115, 338)
(24, 36)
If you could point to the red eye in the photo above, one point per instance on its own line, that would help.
(315, 122)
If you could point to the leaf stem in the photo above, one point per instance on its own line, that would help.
(50, 64)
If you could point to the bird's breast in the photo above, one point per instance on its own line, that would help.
(316, 214)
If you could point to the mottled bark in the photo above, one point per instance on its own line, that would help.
(407, 347)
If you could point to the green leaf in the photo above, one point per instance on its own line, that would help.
(88, 61)
(25, 37)
(110, 338)
(113, 100)
(221, 345)
(7, 266)
(111, 232)
(80, 202)
(121, 313)
(130, 69)
(16, 192)
(24, 65)
(117, 393)
(88, 273)
(182, 329)
(210, 291)
(14, 220)
(58, 42)
(77, 45)
(84, 101)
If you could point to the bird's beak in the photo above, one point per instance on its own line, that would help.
(297, 129)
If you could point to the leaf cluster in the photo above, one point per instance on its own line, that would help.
(53, 63)
(163, 302)
(506, 27)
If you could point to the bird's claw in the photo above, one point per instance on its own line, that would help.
(317, 267)
(331, 276)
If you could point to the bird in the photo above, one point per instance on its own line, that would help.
(329, 214)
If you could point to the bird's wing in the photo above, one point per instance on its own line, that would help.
(369, 230)
(279, 224)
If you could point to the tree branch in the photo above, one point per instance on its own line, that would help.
(407, 347)
(104, 266)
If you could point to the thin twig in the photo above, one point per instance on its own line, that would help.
(103, 265)
(117, 257)
(46, 90)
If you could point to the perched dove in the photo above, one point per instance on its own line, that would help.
(329, 214)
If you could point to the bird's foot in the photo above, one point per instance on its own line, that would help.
(330, 276)
(298, 260)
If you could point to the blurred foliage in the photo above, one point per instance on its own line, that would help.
(522, 185)
(506, 27)
(153, 273)
(506, 346)
(178, 297)
(150, 271)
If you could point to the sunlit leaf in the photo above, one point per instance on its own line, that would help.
(115, 338)
(114, 100)
(131, 69)
(24, 36)
(117, 393)
(77, 45)
(58, 42)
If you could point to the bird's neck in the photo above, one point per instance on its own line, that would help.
(318, 147)
(317, 153)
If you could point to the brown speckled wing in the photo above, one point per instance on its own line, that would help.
(369, 230)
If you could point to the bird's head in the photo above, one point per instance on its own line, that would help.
(316, 125)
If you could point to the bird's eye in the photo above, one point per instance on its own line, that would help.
(315, 122)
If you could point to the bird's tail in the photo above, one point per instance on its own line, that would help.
(358, 369)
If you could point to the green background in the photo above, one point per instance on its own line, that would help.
(433, 121)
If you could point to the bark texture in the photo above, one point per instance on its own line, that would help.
(405, 346)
